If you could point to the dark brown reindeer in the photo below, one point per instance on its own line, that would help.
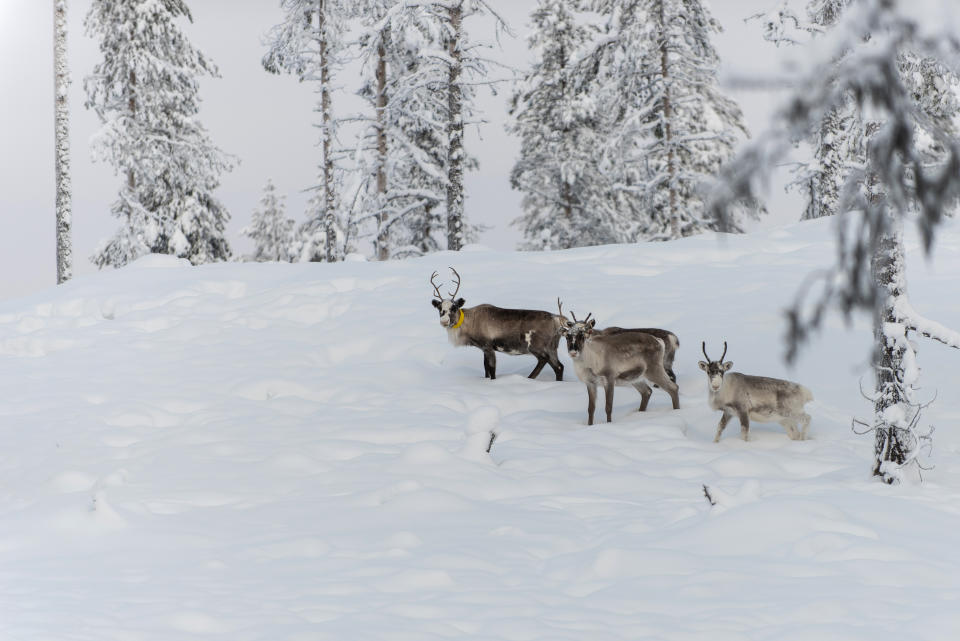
(493, 329)
(619, 358)
(758, 398)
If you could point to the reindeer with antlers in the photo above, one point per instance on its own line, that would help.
(758, 398)
(493, 329)
(617, 358)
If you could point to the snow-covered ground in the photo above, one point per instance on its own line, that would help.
(286, 452)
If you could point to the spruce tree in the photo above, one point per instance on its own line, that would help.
(145, 91)
(270, 229)
(565, 191)
(670, 126)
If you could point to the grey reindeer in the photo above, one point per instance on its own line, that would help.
(616, 359)
(757, 398)
(670, 341)
(494, 329)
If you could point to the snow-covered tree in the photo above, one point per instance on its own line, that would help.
(670, 127)
(455, 68)
(145, 91)
(911, 166)
(566, 192)
(308, 44)
(408, 135)
(270, 229)
(62, 142)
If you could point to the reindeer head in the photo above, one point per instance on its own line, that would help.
(449, 308)
(576, 332)
(715, 369)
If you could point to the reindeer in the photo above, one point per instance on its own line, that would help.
(758, 398)
(494, 329)
(618, 358)
(670, 341)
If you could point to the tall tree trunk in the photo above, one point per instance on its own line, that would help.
(62, 142)
(893, 439)
(383, 234)
(455, 132)
(132, 106)
(667, 130)
(326, 121)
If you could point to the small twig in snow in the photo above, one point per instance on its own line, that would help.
(706, 493)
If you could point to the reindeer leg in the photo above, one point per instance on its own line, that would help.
(790, 425)
(541, 361)
(489, 364)
(608, 389)
(804, 424)
(555, 364)
(744, 425)
(723, 423)
(591, 402)
(645, 393)
(658, 375)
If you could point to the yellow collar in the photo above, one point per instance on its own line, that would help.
(459, 322)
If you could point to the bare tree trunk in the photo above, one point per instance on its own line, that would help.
(326, 120)
(62, 142)
(455, 133)
(667, 132)
(383, 234)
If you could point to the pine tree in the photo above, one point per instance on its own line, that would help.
(911, 165)
(671, 128)
(270, 229)
(307, 44)
(145, 92)
(565, 192)
(62, 141)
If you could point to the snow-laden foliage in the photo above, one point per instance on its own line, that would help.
(402, 142)
(911, 165)
(566, 191)
(271, 230)
(420, 72)
(62, 142)
(145, 92)
(308, 43)
(669, 127)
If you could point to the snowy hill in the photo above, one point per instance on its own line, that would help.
(249, 451)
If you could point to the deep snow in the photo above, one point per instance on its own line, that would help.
(265, 451)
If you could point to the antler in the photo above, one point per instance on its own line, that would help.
(703, 345)
(724, 350)
(454, 294)
(435, 288)
(560, 307)
(588, 317)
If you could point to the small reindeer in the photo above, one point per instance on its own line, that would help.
(758, 398)
(618, 358)
(494, 329)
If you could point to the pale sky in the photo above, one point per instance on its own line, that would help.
(263, 119)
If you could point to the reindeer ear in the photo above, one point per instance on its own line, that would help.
(703, 365)
(436, 303)
(592, 323)
(727, 366)
(461, 302)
